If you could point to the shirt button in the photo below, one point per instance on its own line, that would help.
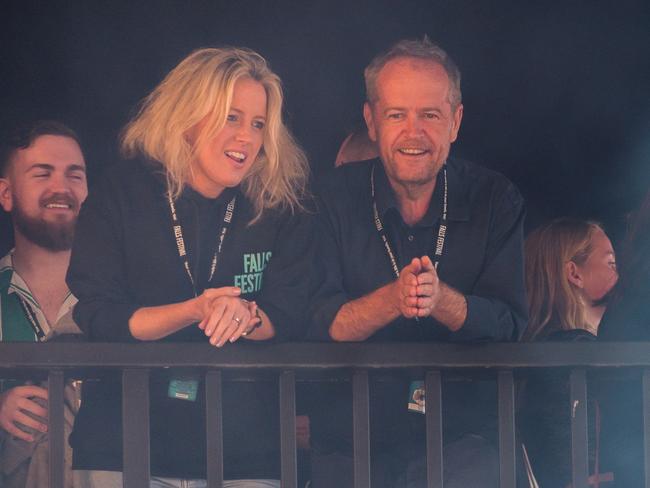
(410, 238)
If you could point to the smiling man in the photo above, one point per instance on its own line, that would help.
(42, 186)
(417, 246)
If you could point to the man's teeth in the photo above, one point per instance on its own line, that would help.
(412, 151)
(57, 205)
(236, 155)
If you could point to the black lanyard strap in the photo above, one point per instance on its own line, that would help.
(439, 240)
(180, 242)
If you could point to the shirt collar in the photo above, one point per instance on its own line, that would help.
(18, 285)
(6, 270)
(457, 207)
(15, 284)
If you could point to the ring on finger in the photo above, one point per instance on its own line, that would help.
(237, 319)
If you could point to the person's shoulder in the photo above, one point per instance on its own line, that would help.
(130, 177)
(478, 179)
(573, 335)
(132, 171)
(279, 214)
(126, 185)
(469, 171)
(627, 318)
(347, 179)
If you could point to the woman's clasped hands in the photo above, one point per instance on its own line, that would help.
(225, 317)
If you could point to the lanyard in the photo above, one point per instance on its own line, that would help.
(180, 242)
(31, 317)
(439, 241)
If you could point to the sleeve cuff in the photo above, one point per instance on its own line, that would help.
(486, 321)
(323, 316)
(108, 324)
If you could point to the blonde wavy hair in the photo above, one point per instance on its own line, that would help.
(202, 86)
(553, 302)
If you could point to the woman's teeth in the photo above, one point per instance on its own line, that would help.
(237, 156)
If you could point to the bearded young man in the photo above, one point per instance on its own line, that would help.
(42, 186)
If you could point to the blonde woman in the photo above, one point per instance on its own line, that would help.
(199, 236)
(570, 268)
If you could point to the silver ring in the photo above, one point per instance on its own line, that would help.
(236, 319)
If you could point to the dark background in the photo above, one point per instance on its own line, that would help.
(556, 94)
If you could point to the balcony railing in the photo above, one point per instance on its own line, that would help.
(58, 361)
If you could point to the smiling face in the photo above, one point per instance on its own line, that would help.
(43, 190)
(224, 159)
(412, 120)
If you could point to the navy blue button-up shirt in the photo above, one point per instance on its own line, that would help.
(482, 259)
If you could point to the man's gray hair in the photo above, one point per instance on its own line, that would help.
(419, 49)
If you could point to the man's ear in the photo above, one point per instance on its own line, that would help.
(573, 274)
(6, 195)
(367, 115)
(457, 119)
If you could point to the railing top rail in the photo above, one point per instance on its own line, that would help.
(323, 356)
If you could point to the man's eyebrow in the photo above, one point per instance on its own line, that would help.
(403, 109)
(43, 166)
(49, 167)
(387, 110)
(76, 167)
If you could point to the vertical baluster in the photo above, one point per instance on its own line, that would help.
(56, 428)
(507, 471)
(288, 429)
(361, 428)
(578, 406)
(135, 427)
(434, 429)
(646, 425)
(214, 428)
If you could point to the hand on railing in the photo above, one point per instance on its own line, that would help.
(153, 323)
(17, 406)
(228, 318)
